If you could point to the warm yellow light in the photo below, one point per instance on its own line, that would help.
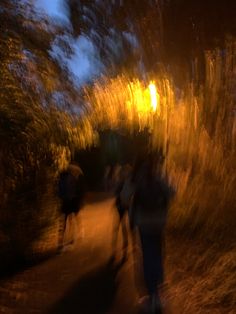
(127, 103)
(154, 96)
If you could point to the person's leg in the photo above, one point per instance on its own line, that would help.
(62, 230)
(115, 233)
(136, 262)
(76, 204)
(70, 228)
(125, 236)
(78, 224)
(152, 264)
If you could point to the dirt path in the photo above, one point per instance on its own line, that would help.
(82, 279)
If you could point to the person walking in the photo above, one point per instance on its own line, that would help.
(71, 188)
(148, 213)
(123, 194)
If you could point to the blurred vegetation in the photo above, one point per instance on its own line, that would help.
(202, 150)
(188, 49)
(38, 133)
(40, 127)
(196, 127)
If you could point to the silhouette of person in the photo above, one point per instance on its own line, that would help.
(151, 200)
(71, 188)
(124, 193)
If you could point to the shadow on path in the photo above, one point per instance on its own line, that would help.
(19, 265)
(16, 265)
(97, 197)
(94, 293)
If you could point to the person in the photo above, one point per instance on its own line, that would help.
(107, 178)
(123, 198)
(117, 176)
(112, 177)
(71, 190)
(151, 200)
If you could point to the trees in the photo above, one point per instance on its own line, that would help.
(38, 130)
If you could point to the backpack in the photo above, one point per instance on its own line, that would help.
(150, 204)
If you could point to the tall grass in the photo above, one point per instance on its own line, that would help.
(202, 163)
(201, 155)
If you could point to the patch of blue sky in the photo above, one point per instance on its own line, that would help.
(56, 9)
(83, 63)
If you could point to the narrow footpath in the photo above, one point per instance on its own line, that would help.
(81, 279)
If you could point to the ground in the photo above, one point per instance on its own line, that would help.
(84, 278)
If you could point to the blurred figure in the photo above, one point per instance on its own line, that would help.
(124, 193)
(71, 191)
(148, 213)
(116, 176)
(108, 178)
(112, 177)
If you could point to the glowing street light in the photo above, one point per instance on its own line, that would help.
(155, 98)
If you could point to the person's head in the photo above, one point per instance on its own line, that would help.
(75, 169)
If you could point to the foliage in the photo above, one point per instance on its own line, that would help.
(201, 155)
(196, 128)
(38, 130)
